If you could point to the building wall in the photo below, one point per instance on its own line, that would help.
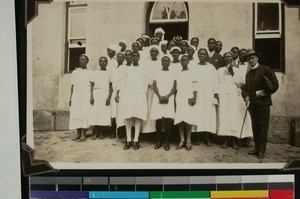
(292, 62)
(230, 23)
(107, 23)
(47, 55)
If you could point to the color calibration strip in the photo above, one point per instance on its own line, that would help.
(184, 187)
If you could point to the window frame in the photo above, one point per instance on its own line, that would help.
(168, 20)
(279, 31)
(68, 45)
(273, 34)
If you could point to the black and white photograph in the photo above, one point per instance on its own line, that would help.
(164, 84)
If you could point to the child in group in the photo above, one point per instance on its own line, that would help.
(163, 110)
(134, 100)
(81, 98)
(100, 114)
(185, 103)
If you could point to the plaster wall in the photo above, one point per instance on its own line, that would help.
(291, 83)
(47, 55)
(230, 23)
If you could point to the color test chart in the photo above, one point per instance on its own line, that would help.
(168, 187)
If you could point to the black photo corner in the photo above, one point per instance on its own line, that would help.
(26, 11)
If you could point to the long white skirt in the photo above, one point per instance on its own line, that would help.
(159, 111)
(206, 113)
(184, 111)
(120, 108)
(134, 105)
(79, 108)
(100, 114)
(231, 113)
(148, 125)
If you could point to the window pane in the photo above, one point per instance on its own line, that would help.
(74, 54)
(267, 16)
(78, 25)
(271, 52)
(159, 11)
(178, 11)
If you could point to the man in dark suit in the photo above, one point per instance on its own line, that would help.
(261, 83)
(213, 57)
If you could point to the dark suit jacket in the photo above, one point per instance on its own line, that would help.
(216, 60)
(264, 79)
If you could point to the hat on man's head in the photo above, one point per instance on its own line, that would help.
(250, 52)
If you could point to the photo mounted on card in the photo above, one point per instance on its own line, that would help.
(107, 87)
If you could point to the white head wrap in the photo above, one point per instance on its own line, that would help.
(150, 48)
(144, 36)
(114, 47)
(186, 41)
(160, 30)
(123, 41)
(167, 56)
(140, 45)
(195, 50)
(163, 42)
(174, 48)
(153, 39)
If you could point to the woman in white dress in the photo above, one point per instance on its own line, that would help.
(116, 79)
(186, 97)
(175, 66)
(170, 45)
(163, 47)
(112, 64)
(160, 33)
(183, 46)
(150, 67)
(162, 110)
(134, 100)
(154, 41)
(81, 98)
(191, 54)
(119, 94)
(230, 100)
(207, 78)
(100, 114)
(123, 45)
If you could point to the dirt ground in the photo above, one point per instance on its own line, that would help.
(59, 147)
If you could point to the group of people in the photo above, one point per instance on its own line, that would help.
(169, 86)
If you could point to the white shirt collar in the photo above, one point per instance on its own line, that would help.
(254, 67)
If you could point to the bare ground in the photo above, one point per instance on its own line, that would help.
(59, 147)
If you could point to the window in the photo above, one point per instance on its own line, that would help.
(163, 12)
(76, 34)
(268, 34)
(172, 16)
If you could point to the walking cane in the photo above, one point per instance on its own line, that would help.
(238, 145)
